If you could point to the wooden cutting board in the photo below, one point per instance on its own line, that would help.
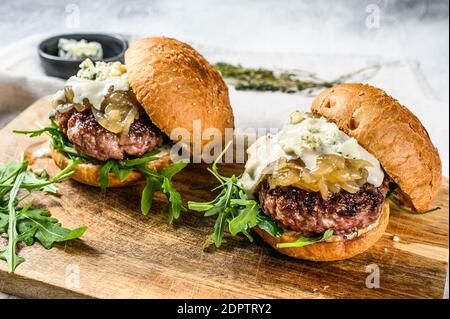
(124, 254)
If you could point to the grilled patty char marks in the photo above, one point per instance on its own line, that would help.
(61, 118)
(309, 214)
(92, 139)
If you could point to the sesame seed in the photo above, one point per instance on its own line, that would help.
(396, 239)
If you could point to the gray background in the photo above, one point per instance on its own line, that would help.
(409, 28)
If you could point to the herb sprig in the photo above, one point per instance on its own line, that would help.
(156, 181)
(233, 209)
(398, 203)
(22, 222)
(259, 79)
(304, 241)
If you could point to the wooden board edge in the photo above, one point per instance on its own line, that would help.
(33, 289)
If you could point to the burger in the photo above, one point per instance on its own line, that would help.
(115, 121)
(319, 189)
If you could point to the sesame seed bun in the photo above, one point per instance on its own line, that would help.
(176, 86)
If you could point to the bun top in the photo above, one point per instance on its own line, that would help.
(391, 133)
(176, 85)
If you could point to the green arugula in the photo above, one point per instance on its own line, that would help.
(241, 214)
(23, 223)
(304, 241)
(396, 201)
(156, 181)
(58, 140)
(266, 223)
(233, 209)
(161, 182)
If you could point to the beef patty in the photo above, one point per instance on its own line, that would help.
(309, 214)
(92, 139)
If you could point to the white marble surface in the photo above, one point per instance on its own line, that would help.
(411, 29)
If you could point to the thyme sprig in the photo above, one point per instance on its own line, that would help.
(260, 79)
(233, 209)
(398, 203)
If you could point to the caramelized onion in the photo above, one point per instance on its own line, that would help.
(118, 111)
(129, 119)
(82, 107)
(331, 174)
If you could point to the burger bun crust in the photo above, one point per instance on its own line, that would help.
(177, 86)
(330, 251)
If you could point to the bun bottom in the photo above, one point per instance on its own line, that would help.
(331, 251)
(87, 173)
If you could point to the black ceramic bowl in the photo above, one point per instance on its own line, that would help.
(114, 47)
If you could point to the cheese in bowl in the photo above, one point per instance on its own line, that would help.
(78, 50)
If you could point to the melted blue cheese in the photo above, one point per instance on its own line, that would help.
(93, 81)
(78, 50)
(304, 137)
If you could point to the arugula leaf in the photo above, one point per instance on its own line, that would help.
(174, 198)
(223, 200)
(9, 254)
(103, 176)
(33, 179)
(3, 222)
(27, 224)
(268, 224)
(232, 207)
(304, 241)
(153, 185)
(394, 199)
(161, 182)
(403, 208)
(8, 171)
(45, 229)
(202, 206)
(121, 173)
(173, 169)
(144, 159)
(219, 228)
(246, 217)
